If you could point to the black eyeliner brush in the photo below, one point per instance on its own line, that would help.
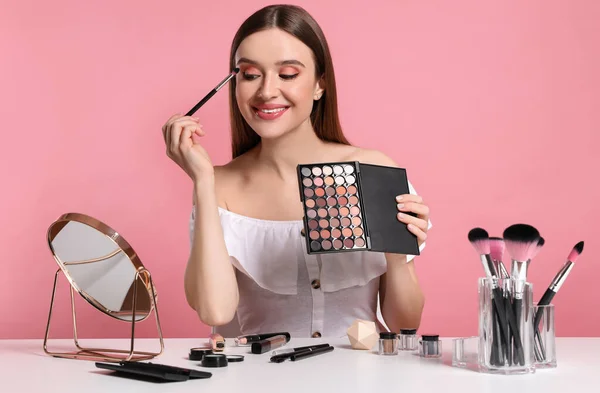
(213, 92)
(283, 354)
(310, 353)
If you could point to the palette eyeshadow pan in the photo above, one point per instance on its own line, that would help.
(350, 206)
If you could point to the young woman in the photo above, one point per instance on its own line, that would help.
(247, 255)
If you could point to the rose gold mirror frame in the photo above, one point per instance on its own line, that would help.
(142, 275)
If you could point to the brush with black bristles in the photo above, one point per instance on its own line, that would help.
(540, 245)
(538, 248)
(553, 288)
(521, 242)
(479, 239)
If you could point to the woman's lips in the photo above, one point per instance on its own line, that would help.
(270, 112)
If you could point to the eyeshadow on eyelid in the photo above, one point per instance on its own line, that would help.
(249, 68)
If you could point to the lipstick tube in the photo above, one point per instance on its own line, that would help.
(268, 344)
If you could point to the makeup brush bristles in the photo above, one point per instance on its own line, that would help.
(521, 241)
(539, 247)
(577, 250)
(479, 238)
(497, 248)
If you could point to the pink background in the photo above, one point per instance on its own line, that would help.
(493, 107)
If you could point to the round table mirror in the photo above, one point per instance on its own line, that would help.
(101, 266)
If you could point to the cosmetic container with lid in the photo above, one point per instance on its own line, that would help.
(408, 340)
(430, 346)
(388, 343)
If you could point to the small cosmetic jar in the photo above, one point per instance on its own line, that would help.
(388, 343)
(430, 346)
(408, 340)
(215, 360)
(198, 353)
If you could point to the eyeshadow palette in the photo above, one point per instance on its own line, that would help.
(349, 206)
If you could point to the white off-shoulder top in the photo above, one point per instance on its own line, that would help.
(284, 289)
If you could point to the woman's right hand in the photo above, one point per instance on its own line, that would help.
(182, 140)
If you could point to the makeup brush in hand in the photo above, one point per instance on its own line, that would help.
(479, 239)
(521, 242)
(214, 91)
(554, 286)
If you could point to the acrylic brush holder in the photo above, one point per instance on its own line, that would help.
(545, 338)
(506, 336)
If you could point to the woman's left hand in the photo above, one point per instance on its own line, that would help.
(410, 203)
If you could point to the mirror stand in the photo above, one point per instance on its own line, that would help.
(108, 354)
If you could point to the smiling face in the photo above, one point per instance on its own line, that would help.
(276, 85)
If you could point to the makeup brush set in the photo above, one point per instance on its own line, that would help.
(516, 335)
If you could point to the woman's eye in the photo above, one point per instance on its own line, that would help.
(250, 76)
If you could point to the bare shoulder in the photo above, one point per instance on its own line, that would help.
(371, 156)
(229, 177)
(376, 157)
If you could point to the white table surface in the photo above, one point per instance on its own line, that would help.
(24, 367)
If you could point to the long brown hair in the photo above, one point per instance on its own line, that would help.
(299, 23)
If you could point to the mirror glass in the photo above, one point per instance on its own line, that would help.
(101, 266)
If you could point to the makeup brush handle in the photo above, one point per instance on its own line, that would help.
(498, 304)
(544, 301)
(539, 350)
(496, 355)
(517, 304)
(509, 338)
(202, 102)
(513, 315)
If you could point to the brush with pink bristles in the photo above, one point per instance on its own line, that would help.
(538, 248)
(562, 274)
(540, 245)
(479, 239)
(553, 288)
(521, 242)
(497, 253)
